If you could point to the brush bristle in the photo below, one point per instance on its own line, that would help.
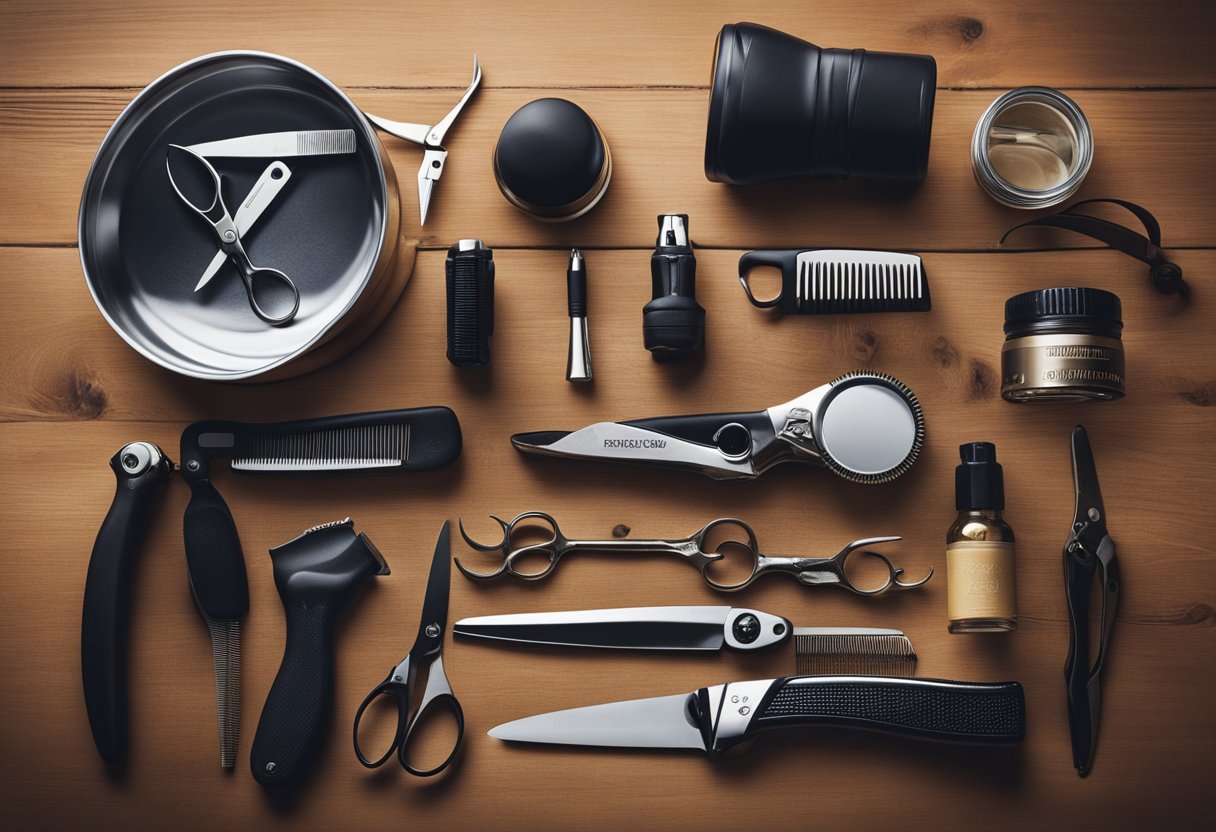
(334, 449)
(833, 651)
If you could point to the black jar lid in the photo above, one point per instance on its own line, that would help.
(1071, 309)
(551, 159)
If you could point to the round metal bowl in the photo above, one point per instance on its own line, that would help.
(335, 228)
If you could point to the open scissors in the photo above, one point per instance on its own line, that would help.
(431, 138)
(272, 295)
(427, 652)
(702, 549)
(1088, 553)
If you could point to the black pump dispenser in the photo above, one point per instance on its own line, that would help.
(979, 482)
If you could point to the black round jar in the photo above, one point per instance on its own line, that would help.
(551, 160)
(1062, 345)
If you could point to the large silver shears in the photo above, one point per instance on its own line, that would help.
(431, 138)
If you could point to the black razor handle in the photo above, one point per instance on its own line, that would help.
(141, 470)
(931, 709)
(317, 575)
(470, 283)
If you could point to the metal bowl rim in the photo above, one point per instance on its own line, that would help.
(369, 135)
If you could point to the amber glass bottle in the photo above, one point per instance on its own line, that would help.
(980, 581)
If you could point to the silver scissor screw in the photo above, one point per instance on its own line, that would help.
(192, 465)
(432, 630)
(269, 767)
(1094, 515)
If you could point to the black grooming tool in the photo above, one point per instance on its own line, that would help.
(1089, 554)
(1165, 275)
(470, 278)
(317, 575)
(417, 439)
(578, 357)
(673, 323)
(141, 470)
(782, 107)
(829, 281)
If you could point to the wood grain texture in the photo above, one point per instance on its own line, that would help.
(531, 43)
(72, 393)
(657, 142)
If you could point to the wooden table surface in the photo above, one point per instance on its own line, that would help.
(72, 393)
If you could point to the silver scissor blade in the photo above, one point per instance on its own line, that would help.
(658, 722)
(630, 628)
(627, 443)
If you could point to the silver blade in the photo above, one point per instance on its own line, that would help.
(280, 145)
(635, 628)
(226, 655)
(659, 722)
(626, 443)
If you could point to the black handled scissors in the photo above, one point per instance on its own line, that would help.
(427, 652)
(1089, 552)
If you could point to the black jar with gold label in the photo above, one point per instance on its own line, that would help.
(1062, 345)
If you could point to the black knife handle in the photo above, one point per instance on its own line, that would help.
(317, 575)
(141, 470)
(213, 554)
(932, 709)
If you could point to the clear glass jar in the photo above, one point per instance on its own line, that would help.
(1032, 148)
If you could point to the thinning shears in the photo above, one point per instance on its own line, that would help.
(1088, 553)
(711, 544)
(431, 138)
(402, 681)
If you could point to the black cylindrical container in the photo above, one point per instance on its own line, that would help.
(1062, 345)
(781, 107)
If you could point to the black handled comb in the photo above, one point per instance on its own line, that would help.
(831, 281)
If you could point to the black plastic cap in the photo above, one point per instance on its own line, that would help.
(550, 154)
(979, 482)
(1068, 309)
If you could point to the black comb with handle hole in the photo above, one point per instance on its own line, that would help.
(470, 282)
(835, 281)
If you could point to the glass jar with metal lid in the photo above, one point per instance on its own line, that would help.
(1032, 148)
(1062, 345)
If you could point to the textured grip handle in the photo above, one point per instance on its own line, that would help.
(576, 290)
(923, 708)
(299, 708)
(107, 602)
(213, 554)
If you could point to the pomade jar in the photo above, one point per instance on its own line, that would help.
(1062, 345)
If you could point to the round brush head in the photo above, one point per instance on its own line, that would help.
(869, 428)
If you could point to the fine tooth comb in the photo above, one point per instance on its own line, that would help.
(831, 281)
(416, 439)
(279, 145)
(853, 651)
